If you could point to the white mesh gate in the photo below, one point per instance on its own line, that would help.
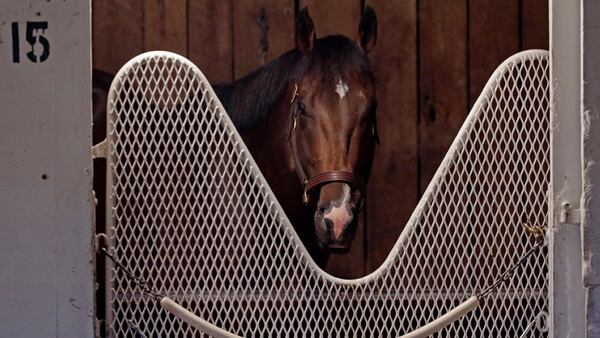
(189, 211)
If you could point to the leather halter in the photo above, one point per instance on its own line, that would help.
(320, 179)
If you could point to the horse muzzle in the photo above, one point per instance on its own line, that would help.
(335, 227)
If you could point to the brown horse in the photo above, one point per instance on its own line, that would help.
(308, 118)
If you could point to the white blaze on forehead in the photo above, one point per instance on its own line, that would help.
(341, 88)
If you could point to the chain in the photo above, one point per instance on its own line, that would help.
(532, 324)
(143, 284)
(138, 281)
(135, 328)
(538, 234)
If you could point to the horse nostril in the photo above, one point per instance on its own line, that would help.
(322, 210)
(328, 223)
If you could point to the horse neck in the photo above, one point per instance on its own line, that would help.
(259, 105)
(269, 145)
(267, 135)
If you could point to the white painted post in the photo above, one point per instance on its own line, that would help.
(46, 261)
(590, 201)
(566, 288)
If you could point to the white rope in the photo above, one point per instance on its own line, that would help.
(195, 321)
(445, 320)
(422, 332)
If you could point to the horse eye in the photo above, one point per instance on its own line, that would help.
(301, 107)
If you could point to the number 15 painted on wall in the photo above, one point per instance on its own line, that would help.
(34, 34)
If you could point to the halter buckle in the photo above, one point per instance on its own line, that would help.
(295, 93)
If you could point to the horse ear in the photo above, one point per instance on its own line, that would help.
(367, 30)
(305, 32)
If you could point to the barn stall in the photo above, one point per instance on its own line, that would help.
(565, 50)
(431, 61)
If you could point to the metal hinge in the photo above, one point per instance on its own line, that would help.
(100, 241)
(100, 150)
(568, 214)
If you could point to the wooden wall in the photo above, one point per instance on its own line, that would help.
(432, 59)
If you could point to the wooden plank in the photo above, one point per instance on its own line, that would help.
(165, 25)
(392, 187)
(117, 33)
(334, 16)
(443, 92)
(493, 37)
(262, 30)
(534, 24)
(443, 97)
(210, 38)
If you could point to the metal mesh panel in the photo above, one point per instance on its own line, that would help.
(190, 212)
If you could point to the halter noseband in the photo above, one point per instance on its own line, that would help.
(325, 177)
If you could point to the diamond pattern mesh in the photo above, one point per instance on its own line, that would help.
(190, 212)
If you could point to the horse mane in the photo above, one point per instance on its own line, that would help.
(249, 99)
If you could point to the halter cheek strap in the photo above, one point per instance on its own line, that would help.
(322, 178)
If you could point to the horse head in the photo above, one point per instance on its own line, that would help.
(333, 127)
